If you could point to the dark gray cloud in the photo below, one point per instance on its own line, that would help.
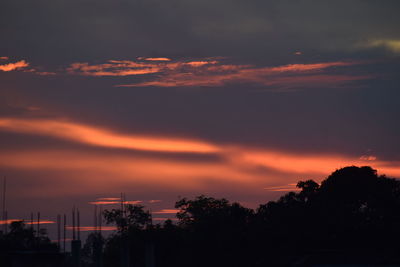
(49, 31)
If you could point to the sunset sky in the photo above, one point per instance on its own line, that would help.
(166, 98)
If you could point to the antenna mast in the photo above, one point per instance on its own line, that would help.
(4, 204)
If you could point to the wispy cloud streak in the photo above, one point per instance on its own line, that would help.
(236, 163)
(213, 74)
(101, 137)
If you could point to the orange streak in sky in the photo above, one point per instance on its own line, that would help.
(109, 199)
(100, 137)
(114, 202)
(306, 163)
(157, 59)
(41, 222)
(235, 164)
(308, 67)
(9, 221)
(166, 211)
(200, 63)
(127, 67)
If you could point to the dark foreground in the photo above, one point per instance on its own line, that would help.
(351, 219)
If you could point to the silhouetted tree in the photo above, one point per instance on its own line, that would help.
(353, 208)
(132, 217)
(21, 237)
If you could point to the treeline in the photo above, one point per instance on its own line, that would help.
(353, 213)
(351, 217)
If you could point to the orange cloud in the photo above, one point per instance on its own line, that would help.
(166, 211)
(308, 67)
(3, 58)
(307, 163)
(99, 202)
(104, 138)
(97, 172)
(200, 63)
(14, 66)
(109, 199)
(113, 68)
(157, 59)
(128, 67)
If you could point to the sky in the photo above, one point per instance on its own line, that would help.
(165, 99)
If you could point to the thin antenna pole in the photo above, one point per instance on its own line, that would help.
(6, 219)
(32, 221)
(65, 230)
(4, 204)
(95, 218)
(122, 203)
(59, 231)
(73, 223)
(78, 224)
(100, 218)
(38, 223)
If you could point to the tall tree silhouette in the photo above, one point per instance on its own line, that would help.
(353, 209)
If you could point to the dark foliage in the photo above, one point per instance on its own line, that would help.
(351, 217)
(22, 246)
(22, 238)
(352, 210)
